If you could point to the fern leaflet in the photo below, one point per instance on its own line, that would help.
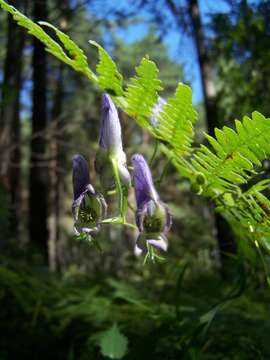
(235, 154)
(142, 92)
(109, 78)
(176, 121)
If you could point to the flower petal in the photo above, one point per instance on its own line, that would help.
(88, 210)
(143, 182)
(161, 243)
(80, 175)
(168, 220)
(111, 147)
(110, 132)
(153, 218)
(137, 250)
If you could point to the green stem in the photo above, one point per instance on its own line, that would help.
(121, 200)
(118, 221)
(132, 226)
(154, 153)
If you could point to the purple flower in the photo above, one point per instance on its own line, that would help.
(153, 218)
(89, 207)
(110, 146)
(157, 109)
(110, 133)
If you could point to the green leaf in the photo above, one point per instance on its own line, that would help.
(113, 343)
(109, 78)
(142, 92)
(76, 54)
(176, 120)
(259, 186)
(234, 154)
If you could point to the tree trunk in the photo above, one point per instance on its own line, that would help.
(225, 236)
(208, 86)
(55, 174)
(38, 184)
(10, 118)
(57, 153)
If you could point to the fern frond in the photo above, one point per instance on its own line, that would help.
(235, 153)
(142, 93)
(248, 213)
(109, 78)
(175, 123)
(258, 187)
(76, 59)
(76, 54)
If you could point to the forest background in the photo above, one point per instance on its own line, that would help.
(61, 298)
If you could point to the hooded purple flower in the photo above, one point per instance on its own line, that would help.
(89, 207)
(152, 216)
(110, 146)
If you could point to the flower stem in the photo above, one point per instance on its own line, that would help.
(132, 226)
(118, 221)
(121, 197)
(154, 153)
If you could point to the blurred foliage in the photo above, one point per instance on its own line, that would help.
(241, 55)
(171, 316)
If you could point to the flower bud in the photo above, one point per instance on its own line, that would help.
(200, 179)
(110, 146)
(153, 218)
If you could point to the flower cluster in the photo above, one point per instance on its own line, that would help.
(89, 208)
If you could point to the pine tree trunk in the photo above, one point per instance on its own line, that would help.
(38, 184)
(55, 173)
(10, 118)
(226, 241)
(208, 86)
(57, 153)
